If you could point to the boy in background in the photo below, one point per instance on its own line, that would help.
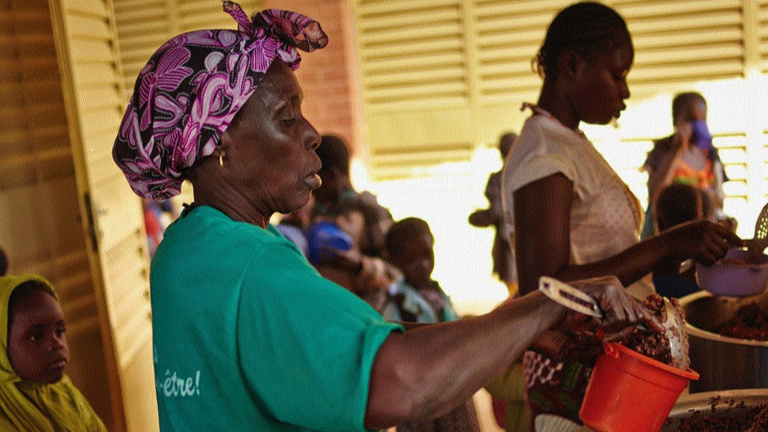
(416, 297)
(676, 204)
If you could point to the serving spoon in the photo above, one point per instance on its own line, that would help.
(581, 302)
(757, 244)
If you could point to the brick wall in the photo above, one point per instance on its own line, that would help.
(327, 76)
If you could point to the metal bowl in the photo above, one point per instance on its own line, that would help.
(723, 362)
(688, 405)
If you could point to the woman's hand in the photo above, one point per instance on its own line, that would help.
(576, 336)
(683, 134)
(621, 311)
(702, 240)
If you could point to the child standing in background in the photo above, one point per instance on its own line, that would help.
(676, 204)
(416, 297)
(687, 157)
(408, 245)
(503, 247)
(35, 394)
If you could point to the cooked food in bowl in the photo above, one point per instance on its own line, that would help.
(750, 322)
(734, 275)
(727, 416)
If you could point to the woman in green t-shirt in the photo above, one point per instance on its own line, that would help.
(247, 335)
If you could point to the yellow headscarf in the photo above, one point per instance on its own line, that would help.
(26, 406)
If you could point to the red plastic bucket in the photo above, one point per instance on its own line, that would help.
(629, 392)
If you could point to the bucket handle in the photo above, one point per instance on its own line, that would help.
(610, 350)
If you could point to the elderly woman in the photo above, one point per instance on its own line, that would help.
(247, 335)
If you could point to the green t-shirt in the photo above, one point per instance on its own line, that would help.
(249, 337)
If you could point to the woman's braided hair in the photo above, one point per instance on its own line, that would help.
(586, 28)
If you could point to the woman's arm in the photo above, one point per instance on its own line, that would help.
(542, 220)
(429, 370)
(542, 232)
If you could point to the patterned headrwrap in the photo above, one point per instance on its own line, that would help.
(191, 88)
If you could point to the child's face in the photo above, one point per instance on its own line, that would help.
(37, 346)
(416, 260)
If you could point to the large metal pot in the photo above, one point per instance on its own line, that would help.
(700, 404)
(723, 362)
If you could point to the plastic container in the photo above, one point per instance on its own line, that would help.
(733, 279)
(323, 238)
(629, 392)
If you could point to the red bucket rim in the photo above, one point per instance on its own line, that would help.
(688, 373)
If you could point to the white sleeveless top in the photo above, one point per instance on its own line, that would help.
(606, 217)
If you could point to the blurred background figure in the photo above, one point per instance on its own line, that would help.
(502, 250)
(337, 188)
(676, 204)
(294, 225)
(416, 297)
(342, 250)
(689, 157)
(358, 215)
(157, 216)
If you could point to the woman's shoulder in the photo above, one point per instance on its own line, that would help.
(544, 147)
(205, 221)
(541, 134)
(209, 232)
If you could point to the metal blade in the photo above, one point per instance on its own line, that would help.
(569, 297)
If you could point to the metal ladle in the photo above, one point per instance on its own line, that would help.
(581, 302)
(757, 244)
(678, 340)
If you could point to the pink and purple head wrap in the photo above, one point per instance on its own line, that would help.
(191, 88)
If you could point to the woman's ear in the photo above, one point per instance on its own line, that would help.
(570, 64)
(223, 149)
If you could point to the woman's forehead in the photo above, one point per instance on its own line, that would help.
(280, 81)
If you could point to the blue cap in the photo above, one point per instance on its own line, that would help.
(324, 239)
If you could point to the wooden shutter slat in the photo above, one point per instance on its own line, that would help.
(385, 24)
(368, 9)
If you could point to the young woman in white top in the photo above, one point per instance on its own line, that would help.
(573, 216)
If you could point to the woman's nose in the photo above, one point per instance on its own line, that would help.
(312, 137)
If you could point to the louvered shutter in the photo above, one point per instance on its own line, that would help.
(144, 25)
(39, 213)
(508, 35)
(683, 42)
(93, 92)
(413, 57)
(760, 167)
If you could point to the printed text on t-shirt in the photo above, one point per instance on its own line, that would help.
(178, 386)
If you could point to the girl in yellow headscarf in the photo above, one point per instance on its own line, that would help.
(35, 394)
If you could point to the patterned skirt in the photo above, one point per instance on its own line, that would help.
(555, 387)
